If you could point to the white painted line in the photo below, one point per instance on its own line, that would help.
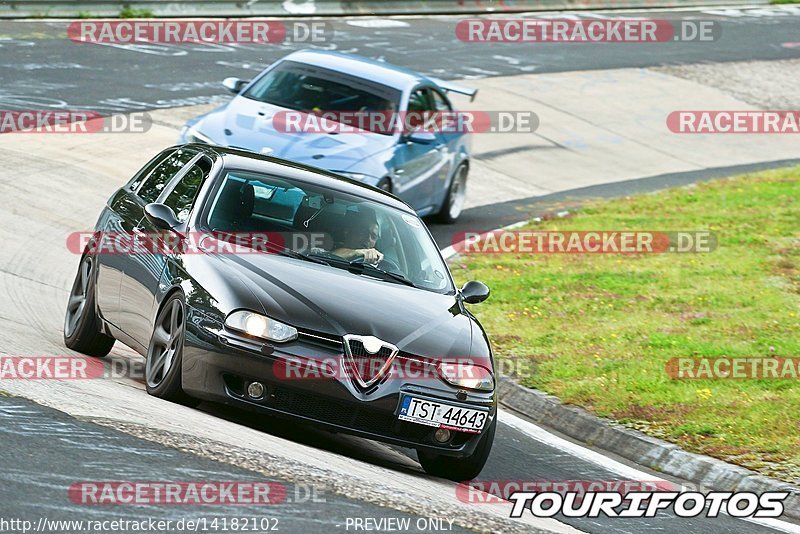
(449, 252)
(630, 473)
(377, 23)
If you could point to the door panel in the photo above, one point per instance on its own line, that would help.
(109, 272)
(121, 216)
(143, 267)
(420, 168)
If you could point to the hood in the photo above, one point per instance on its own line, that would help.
(247, 124)
(337, 302)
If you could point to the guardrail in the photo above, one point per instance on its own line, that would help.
(295, 8)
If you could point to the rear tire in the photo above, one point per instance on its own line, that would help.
(456, 196)
(165, 354)
(81, 325)
(460, 469)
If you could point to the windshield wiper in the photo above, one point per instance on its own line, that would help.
(300, 256)
(360, 266)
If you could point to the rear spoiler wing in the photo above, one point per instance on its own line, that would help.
(455, 88)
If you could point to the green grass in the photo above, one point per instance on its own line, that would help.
(784, 1)
(599, 329)
(129, 12)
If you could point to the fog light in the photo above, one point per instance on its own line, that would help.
(442, 435)
(255, 390)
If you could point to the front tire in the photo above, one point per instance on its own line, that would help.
(456, 196)
(81, 326)
(460, 469)
(165, 353)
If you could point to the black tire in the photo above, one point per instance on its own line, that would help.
(165, 353)
(81, 325)
(453, 203)
(460, 469)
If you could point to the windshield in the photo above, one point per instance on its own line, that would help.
(307, 88)
(330, 227)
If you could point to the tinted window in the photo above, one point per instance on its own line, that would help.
(145, 171)
(419, 101)
(306, 88)
(182, 197)
(440, 102)
(327, 223)
(163, 173)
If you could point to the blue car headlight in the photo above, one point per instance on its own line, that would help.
(193, 135)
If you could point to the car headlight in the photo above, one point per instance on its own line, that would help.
(258, 325)
(192, 135)
(467, 376)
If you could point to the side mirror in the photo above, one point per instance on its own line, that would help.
(161, 216)
(421, 137)
(234, 85)
(474, 292)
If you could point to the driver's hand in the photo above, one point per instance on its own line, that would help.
(371, 255)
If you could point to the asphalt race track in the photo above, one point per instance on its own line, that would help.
(38, 61)
(45, 451)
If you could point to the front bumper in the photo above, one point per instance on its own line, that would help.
(218, 366)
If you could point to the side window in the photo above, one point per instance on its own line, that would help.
(181, 198)
(145, 171)
(420, 109)
(163, 173)
(440, 102)
(419, 101)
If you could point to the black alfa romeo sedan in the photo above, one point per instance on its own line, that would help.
(281, 288)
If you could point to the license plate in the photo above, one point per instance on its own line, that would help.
(425, 412)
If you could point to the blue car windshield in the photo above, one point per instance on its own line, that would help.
(307, 88)
(331, 227)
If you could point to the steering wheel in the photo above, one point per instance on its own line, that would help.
(385, 264)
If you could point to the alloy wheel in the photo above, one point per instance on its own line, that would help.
(77, 297)
(458, 193)
(167, 341)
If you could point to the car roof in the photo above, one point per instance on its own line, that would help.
(259, 163)
(362, 67)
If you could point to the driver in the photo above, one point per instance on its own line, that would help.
(360, 235)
